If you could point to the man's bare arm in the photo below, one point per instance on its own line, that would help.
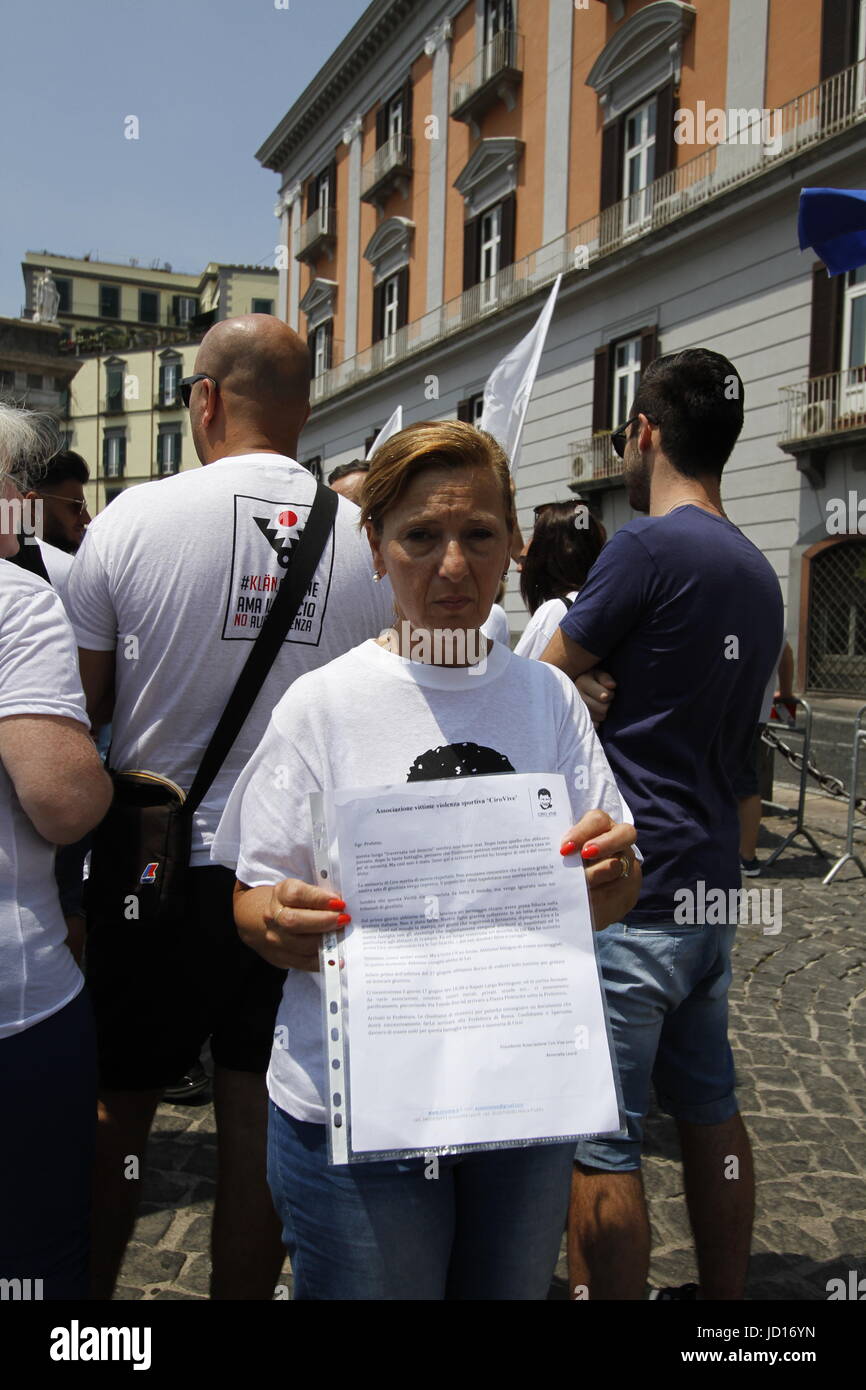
(97, 678)
(594, 687)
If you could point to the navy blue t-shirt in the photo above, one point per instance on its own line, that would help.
(687, 615)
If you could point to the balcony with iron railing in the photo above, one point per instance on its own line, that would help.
(494, 74)
(594, 463)
(826, 111)
(390, 168)
(820, 414)
(317, 235)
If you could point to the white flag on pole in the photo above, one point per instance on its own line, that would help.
(393, 426)
(509, 386)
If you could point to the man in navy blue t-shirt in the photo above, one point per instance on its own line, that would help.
(685, 615)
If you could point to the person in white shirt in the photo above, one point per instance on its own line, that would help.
(439, 515)
(52, 791)
(167, 593)
(566, 542)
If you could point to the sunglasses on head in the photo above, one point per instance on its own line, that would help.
(189, 382)
(618, 436)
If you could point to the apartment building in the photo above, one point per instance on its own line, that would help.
(132, 333)
(450, 159)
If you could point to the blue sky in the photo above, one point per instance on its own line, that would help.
(208, 81)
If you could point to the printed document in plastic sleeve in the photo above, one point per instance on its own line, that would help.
(463, 1005)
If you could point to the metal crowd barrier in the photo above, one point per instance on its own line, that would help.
(799, 828)
(859, 739)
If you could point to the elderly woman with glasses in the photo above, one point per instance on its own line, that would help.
(439, 514)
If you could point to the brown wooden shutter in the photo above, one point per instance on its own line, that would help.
(470, 253)
(601, 391)
(403, 297)
(378, 313)
(649, 348)
(506, 230)
(665, 143)
(825, 346)
(312, 196)
(329, 345)
(464, 410)
(611, 164)
(838, 36)
(407, 106)
(381, 125)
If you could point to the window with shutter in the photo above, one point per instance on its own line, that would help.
(508, 215)
(378, 313)
(470, 253)
(826, 329)
(665, 150)
(649, 347)
(601, 391)
(839, 23)
(611, 163)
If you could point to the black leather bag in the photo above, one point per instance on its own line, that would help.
(141, 849)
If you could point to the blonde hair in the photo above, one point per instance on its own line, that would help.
(431, 444)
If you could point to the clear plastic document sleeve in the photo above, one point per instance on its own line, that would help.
(463, 1007)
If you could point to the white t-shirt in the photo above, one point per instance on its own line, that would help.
(58, 564)
(366, 720)
(38, 675)
(541, 627)
(496, 627)
(177, 575)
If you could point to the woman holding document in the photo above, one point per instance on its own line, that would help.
(430, 699)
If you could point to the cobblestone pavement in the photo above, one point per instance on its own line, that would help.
(798, 1028)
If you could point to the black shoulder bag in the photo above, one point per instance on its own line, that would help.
(141, 850)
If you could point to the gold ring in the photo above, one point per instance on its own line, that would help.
(626, 861)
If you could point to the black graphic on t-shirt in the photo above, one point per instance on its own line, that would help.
(457, 760)
(281, 544)
(264, 528)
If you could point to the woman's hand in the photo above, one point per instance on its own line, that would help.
(605, 847)
(284, 924)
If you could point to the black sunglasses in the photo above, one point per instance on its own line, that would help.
(618, 437)
(189, 382)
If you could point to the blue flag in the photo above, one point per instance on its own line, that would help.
(833, 222)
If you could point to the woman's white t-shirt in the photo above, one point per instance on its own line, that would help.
(38, 675)
(371, 718)
(496, 627)
(541, 627)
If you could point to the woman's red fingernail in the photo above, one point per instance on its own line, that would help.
(343, 919)
(589, 851)
(336, 905)
(568, 848)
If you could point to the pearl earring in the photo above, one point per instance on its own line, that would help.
(376, 576)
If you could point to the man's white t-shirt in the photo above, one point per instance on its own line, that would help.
(38, 675)
(374, 718)
(542, 625)
(58, 564)
(177, 575)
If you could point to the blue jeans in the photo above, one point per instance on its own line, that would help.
(488, 1227)
(667, 998)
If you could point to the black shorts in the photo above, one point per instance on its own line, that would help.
(748, 780)
(158, 999)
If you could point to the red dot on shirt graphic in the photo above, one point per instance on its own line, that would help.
(287, 519)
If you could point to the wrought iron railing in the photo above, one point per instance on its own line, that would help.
(396, 153)
(504, 52)
(823, 405)
(824, 111)
(322, 223)
(593, 459)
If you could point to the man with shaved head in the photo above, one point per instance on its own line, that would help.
(168, 591)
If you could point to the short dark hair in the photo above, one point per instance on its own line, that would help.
(560, 554)
(696, 399)
(344, 469)
(64, 467)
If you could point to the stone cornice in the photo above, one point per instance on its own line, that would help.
(340, 74)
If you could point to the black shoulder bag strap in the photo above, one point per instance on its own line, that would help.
(290, 595)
